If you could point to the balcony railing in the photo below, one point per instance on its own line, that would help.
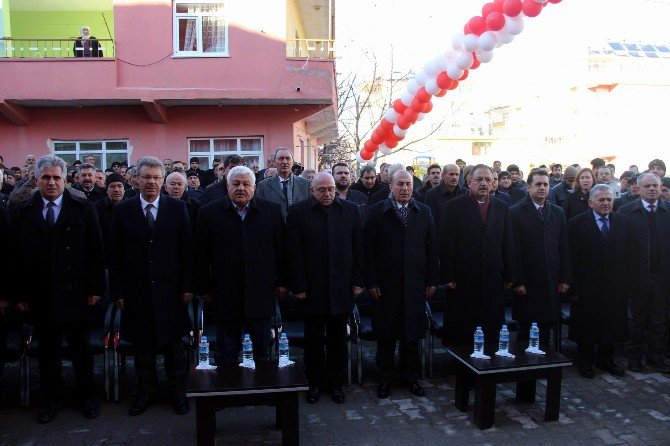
(54, 48)
(311, 49)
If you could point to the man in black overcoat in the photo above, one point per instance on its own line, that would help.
(175, 186)
(4, 297)
(54, 235)
(150, 278)
(650, 219)
(105, 208)
(601, 288)
(325, 246)
(448, 189)
(401, 272)
(241, 265)
(476, 260)
(542, 257)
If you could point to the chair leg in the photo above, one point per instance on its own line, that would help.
(349, 362)
(359, 361)
(116, 377)
(106, 359)
(25, 379)
(431, 343)
(422, 352)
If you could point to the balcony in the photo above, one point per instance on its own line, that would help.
(310, 29)
(310, 49)
(11, 48)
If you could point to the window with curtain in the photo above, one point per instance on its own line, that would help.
(105, 152)
(207, 149)
(200, 29)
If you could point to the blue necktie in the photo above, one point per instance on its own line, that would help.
(151, 221)
(605, 230)
(284, 188)
(50, 218)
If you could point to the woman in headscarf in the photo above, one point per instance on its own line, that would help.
(87, 45)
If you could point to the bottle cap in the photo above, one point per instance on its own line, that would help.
(478, 327)
(504, 327)
(247, 336)
(283, 335)
(534, 324)
(203, 339)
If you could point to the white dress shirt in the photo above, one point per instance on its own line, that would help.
(58, 204)
(154, 209)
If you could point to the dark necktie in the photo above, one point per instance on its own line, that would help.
(284, 188)
(541, 210)
(51, 215)
(604, 229)
(402, 213)
(652, 208)
(151, 221)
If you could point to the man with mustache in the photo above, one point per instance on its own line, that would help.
(286, 188)
(241, 264)
(87, 183)
(477, 260)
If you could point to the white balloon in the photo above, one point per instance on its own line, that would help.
(385, 150)
(421, 116)
(431, 68)
(454, 72)
(359, 159)
(514, 25)
(413, 86)
(487, 41)
(431, 87)
(398, 132)
(485, 56)
(451, 54)
(421, 78)
(406, 98)
(464, 61)
(470, 42)
(503, 37)
(457, 42)
(442, 62)
(391, 115)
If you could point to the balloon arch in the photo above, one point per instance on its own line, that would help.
(500, 21)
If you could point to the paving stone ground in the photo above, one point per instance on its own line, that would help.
(607, 410)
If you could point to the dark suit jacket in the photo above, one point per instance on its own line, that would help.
(241, 262)
(325, 254)
(4, 241)
(94, 50)
(104, 209)
(603, 286)
(575, 204)
(271, 189)
(502, 196)
(57, 269)
(402, 262)
(149, 270)
(95, 194)
(213, 192)
(515, 194)
(479, 258)
(542, 259)
(358, 186)
(437, 198)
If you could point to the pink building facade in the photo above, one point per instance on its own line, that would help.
(178, 79)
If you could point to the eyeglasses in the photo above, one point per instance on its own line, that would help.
(323, 189)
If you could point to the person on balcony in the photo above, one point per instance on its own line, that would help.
(87, 45)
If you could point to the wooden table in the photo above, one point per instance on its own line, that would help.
(234, 386)
(524, 369)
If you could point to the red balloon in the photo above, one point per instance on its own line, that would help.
(366, 155)
(422, 95)
(399, 107)
(443, 80)
(402, 123)
(495, 21)
(512, 8)
(429, 107)
(466, 30)
(417, 105)
(476, 62)
(391, 143)
(498, 5)
(465, 76)
(477, 25)
(411, 115)
(370, 146)
(386, 125)
(453, 86)
(554, 1)
(377, 137)
(531, 8)
(441, 93)
(487, 9)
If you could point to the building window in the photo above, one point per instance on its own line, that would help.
(206, 149)
(105, 152)
(200, 29)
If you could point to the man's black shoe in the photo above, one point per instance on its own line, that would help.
(611, 367)
(416, 389)
(338, 395)
(181, 405)
(384, 391)
(139, 406)
(313, 395)
(635, 365)
(48, 413)
(587, 372)
(91, 409)
(660, 364)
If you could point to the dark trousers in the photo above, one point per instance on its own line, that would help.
(586, 353)
(176, 369)
(648, 332)
(523, 333)
(408, 365)
(229, 339)
(50, 353)
(326, 368)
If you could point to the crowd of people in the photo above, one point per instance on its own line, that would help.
(152, 235)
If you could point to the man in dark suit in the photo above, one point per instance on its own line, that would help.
(194, 165)
(542, 257)
(477, 260)
(194, 190)
(650, 220)
(150, 279)
(401, 271)
(241, 265)
(325, 245)
(105, 208)
(505, 185)
(601, 288)
(4, 295)
(342, 177)
(497, 193)
(437, 197)
(175, 186)
(55, 234)
(87, 183)
(560, 191)
(367, 183)
(285, 188)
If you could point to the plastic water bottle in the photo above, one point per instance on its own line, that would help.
(247, 349)
(503, 340)
(203, 351)
(283, 349)
(479, 341)
(534, 337)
